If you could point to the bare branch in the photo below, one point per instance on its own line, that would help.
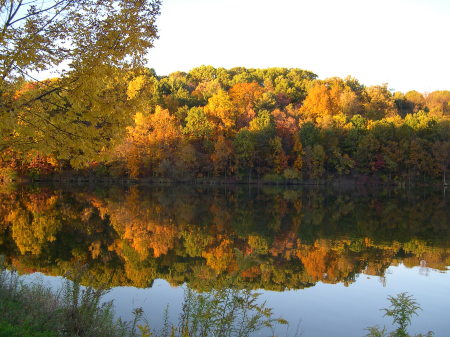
(37, 12)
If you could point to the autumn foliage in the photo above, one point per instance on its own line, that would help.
(274, 239)
(270, 125)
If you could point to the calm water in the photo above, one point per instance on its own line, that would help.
(325, 259)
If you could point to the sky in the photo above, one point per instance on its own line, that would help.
(405, 43)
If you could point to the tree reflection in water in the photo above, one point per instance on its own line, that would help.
(192, 234)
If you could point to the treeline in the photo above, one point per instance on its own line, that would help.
(292, 238)
(272, 124)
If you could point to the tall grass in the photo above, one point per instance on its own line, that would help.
(36, 310)
(227, 312)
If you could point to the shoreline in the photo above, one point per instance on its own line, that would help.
(346, 181)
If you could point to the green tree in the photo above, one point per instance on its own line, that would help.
(318, 159)
(244, 145)
(298, 152)
(197, 124)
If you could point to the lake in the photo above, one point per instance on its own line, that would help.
(325, 259)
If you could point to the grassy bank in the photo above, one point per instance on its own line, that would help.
(33, 309)
(36, 310)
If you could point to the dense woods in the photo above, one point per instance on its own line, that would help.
(106, 114)
(277, 238)
(239, 124)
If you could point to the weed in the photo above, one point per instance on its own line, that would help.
(403, 307)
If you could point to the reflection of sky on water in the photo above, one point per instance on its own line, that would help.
(324, 310)
(336, 310)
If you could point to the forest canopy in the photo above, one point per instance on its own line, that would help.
(239, 123)
(105, 113)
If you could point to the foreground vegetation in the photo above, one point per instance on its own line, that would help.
(35, 310)
(402, 309)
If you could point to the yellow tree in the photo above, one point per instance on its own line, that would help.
(439, 102)
(380, 103)
(329, 103)
(220, 110)
(153, 138)
(93, 43)
(244, 97)
(318, 106)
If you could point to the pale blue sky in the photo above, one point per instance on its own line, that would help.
(405, 43)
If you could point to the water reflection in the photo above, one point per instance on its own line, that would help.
(292, 238)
